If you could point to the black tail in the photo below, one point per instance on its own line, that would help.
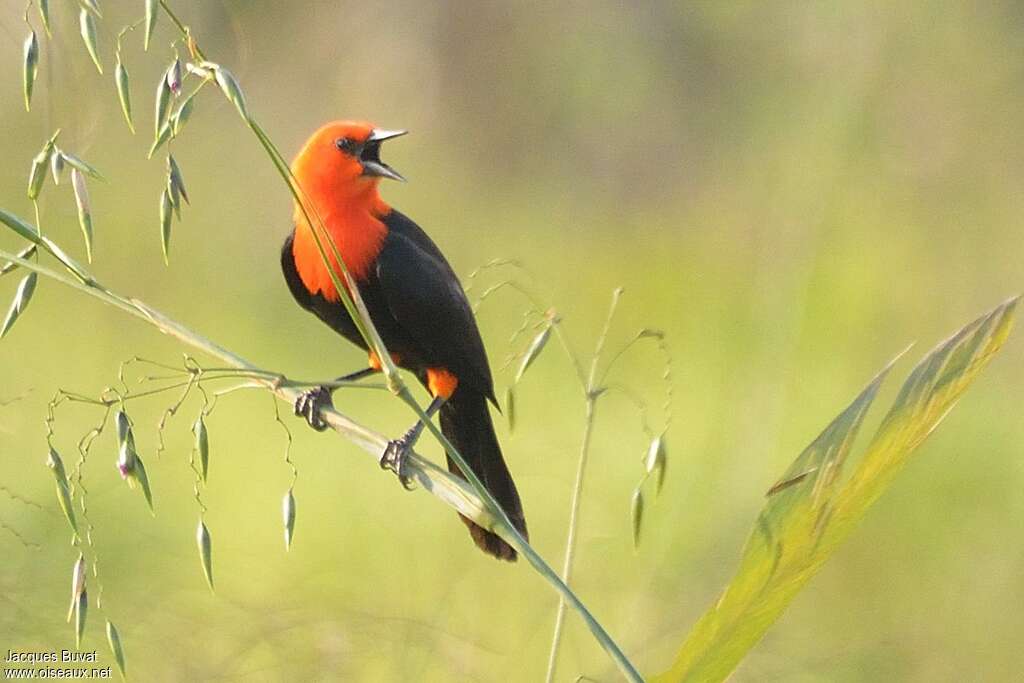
(466, 422)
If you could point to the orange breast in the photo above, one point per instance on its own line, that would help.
(359, 236)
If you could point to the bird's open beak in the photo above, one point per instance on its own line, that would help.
(370, 156)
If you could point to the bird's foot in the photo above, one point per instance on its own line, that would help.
(397, 453)
(310, 403)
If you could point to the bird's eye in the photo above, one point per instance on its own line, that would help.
(347, 145)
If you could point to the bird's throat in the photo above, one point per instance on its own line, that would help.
(357, 231)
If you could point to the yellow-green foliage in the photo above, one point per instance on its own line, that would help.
(812, 509)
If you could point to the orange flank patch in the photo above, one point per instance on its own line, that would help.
(441, 382)
(375, 360)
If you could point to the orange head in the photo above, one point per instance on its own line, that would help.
(342, 160)
(338, 171)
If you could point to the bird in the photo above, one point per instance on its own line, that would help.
(412, 296)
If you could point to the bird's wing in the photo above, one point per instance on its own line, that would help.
(425, 298)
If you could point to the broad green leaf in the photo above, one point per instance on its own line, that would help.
(812, 509)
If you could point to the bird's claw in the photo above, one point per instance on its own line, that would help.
(309, 405)
(395, 456)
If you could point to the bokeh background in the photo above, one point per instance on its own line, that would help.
(792, 191)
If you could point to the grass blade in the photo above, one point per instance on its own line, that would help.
(810, 511)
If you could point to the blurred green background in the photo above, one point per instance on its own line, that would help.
(792, 191)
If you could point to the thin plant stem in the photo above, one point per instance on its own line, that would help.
(592, 392)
